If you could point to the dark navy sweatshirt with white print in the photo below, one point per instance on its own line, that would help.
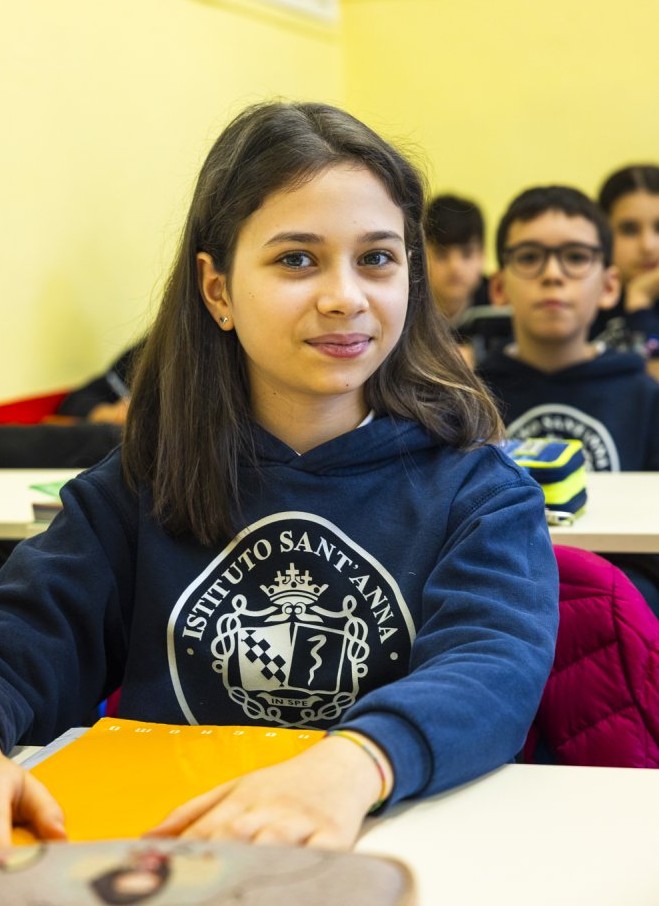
(381, 581)
(609, 403)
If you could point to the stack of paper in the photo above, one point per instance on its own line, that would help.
(46, 502)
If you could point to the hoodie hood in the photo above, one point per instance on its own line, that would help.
(609, 364)
(365, 448)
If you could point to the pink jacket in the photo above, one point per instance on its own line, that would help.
(601, 702)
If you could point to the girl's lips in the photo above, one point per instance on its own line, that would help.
(341, 346)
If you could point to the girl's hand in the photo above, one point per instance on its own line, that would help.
(24, 800)
(318, 798)
(642, 291)
(109, 413)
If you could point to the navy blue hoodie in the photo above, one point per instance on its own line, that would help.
(609, 403)
(381, 582)
(641, 326)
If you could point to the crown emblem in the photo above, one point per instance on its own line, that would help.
(293, 589)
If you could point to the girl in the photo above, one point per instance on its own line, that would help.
(630, 199)
(306, 526)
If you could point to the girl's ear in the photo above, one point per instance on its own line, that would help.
(213, 288)
(611, 287)
(496, 289)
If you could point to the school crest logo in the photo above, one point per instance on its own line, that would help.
(292, 622)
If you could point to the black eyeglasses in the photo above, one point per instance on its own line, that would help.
(529, 259)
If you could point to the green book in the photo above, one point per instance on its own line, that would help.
(46, 510)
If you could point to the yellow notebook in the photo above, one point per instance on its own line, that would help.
(122, 777)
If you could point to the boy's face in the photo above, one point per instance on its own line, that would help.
(454, 272)
(553, 307)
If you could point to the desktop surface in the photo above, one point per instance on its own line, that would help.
(621, 515)
(17, 497)
(539, 834)
(531, 834)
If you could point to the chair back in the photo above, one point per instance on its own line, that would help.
(30, 410)
(487, 327)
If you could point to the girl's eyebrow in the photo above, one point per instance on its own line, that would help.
(305, 238)
(382, 236)
(316, 239)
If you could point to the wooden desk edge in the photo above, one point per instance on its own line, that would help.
(641, 543)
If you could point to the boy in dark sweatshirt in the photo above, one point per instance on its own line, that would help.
(554, 252)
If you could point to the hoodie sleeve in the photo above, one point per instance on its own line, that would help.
(645, 322)
(62, 642)
(485, 647)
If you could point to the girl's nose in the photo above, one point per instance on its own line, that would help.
(649, 239)
(341, 293)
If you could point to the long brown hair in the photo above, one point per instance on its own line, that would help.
(189, 422)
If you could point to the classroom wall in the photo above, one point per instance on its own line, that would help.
(500, 94)
(108, 110)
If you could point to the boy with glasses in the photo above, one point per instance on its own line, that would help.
(554, 252)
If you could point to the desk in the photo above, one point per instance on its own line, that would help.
(622, 515)
(16, 520)
(531, 834)
(19, 754)
(528, 834)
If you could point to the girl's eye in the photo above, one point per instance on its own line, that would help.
(628, 228)
(377, 259)
(296, 260)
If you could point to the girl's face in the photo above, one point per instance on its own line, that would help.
(317, 292)
(635, 225)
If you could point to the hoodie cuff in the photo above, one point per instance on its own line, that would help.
(404, 746)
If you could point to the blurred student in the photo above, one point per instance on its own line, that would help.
(455, 235)
(630, 199)
(554, 253)
(104, 399)
(97, 412)
(93, 416)
(298, 415)
(454, 239)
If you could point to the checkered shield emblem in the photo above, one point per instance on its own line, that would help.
(293, 656)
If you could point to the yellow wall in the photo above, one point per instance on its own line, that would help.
(108, 110)
(501, 94)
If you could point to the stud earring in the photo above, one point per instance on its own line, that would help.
(223, 320)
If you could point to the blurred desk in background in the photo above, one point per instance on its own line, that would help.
(16, 499)
(622, 512)
(622, 515)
